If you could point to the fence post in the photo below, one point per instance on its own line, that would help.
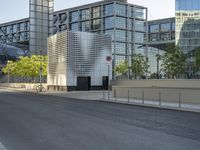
(103, 94)
(115, 93)
(179, 100)
(142, 97)
(128, 96)
(160, 99)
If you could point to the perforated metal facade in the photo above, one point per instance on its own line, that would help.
(78, 54)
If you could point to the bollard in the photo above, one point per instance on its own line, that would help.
(179, 100)
(142, 97)
(128, 96)
(160, 99)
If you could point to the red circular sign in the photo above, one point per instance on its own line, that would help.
(108, 58)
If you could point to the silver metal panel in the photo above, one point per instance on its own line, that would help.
(78, 54)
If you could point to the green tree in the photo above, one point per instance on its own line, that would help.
(139, 65)
(174, 62)
(27, 66)
(122, 69)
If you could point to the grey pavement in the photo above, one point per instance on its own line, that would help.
(31, 121)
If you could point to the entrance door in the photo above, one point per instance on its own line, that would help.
(105, 82)
(83, 83)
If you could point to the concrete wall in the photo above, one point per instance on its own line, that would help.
(188, 91)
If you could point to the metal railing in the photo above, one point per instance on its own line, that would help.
(160, 97)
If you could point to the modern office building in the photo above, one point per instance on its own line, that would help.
(77, 60)
(188, 29)
(126, 23)
(161, 32)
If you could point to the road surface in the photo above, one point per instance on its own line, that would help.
(39, 122)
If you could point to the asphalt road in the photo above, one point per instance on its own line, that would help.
(39, 122)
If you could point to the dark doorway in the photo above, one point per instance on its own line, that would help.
(83, 83)
(105, 82)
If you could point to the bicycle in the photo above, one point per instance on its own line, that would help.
(40, 88)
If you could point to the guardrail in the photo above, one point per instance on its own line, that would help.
(160, 97)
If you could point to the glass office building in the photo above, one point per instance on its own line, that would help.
(188, 29)
(126, 23)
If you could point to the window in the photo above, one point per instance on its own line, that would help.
(85, 26)
(109, 22)
(165, 27)
(139, 37)
(96, 24)
(96, 12)
(139, 25)
(120, 22)
(108, 9)
(120, 35)
(74, 16)
(154, 28)
(120, 9)
(74, 27)
(139, 13)
(120, 48)
(85, 14)
(111, 33)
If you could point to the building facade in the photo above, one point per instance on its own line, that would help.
(77, 60)
(188, 30)
(126, 23)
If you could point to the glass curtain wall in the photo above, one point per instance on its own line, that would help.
(188, 30)
(41, 21)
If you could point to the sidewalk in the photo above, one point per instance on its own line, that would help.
(103, 96)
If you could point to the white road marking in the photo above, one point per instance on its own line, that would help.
(2, 147)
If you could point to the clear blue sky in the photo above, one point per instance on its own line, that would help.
(17, 9)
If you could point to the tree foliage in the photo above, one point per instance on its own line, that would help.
(139, 65)
(27, 66)
(122, 68)
(174, 62)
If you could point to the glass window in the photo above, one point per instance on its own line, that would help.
(21, 26)
(96, 12)
(173, 26)
(139, 13)
(85, 26)
(119, 59)
(131, 12)
(120, 9)
(139, 37)
(120, 48)
(111, 33)
(8, 30)
(108, 9)
(139, 49)
(109, 22)
(74, 27)
(96, 24)
(120, 22)
(154, 37)
(139, 25)
(165, 36)
(74, 16)
(120, 35)
(154, 28)
(85, 14)
(63, 17)
(165, 27)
